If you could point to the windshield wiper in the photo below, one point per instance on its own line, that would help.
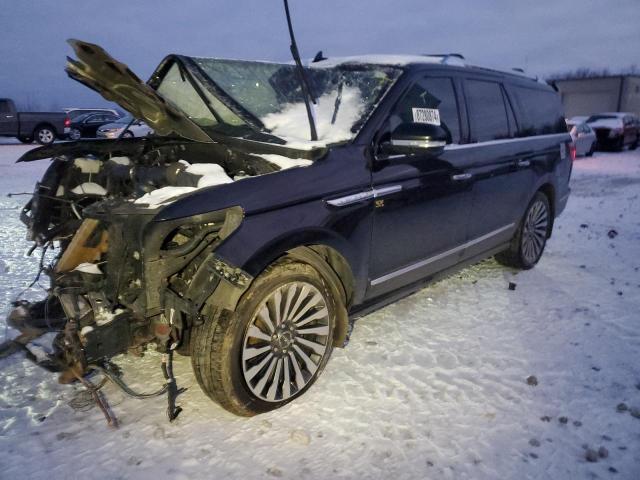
(304, 84)
(336, 106)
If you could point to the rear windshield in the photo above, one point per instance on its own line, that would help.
(541, 111)
(595, 118)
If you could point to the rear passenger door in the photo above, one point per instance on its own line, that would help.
(501, 172)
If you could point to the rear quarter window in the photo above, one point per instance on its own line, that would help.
(541, 111)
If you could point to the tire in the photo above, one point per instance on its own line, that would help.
(527, 244)
(127, 134)
(44, 135)
(634, 145)
(237, 355)
(75, 134)
(620, 145)
(26, 140)
(591, 150)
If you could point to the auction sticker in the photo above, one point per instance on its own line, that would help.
(426, 115)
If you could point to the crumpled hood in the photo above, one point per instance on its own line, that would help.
(96, 69)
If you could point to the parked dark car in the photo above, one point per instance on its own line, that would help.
(231, 237)
(75, 112)
(44, 127)
(615, 131)
(87, 124)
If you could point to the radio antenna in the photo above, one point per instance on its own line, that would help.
(307, 93)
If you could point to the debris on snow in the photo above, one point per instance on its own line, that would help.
(512, 286)
(532, 380)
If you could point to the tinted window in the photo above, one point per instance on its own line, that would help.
(4, 106)
(541, 111)
(487, 111)
(433, 93)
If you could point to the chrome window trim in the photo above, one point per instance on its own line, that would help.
(457, 146)
(440, 256)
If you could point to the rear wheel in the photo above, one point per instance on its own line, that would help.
(273, 347)
(591, 150)
(127, 134)
(75, 134)
(44, 135)
(530, 239)
(634, 145)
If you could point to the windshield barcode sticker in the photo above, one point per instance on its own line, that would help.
(426, 115)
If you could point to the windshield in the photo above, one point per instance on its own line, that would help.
(270, 94)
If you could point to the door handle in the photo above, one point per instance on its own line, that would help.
(524, 163)
(461, 177)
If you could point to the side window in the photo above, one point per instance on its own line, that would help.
(4, 106)
(541, 110)
(487, 110)
(433, 93)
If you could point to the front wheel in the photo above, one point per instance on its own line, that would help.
(529, 241)
(127, 134)
(44, 135)
(273, 347)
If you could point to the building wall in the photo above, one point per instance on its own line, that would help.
(593, 95)
(631, 95)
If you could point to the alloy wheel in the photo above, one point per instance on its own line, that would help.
(286, 341)
(534, 233)
(75, 134)
(45, 136)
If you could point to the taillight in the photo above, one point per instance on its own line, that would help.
(67, 122)
(572, 151)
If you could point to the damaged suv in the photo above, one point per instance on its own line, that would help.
(230, 237)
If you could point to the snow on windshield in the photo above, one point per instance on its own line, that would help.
(335, 115)
(271, 93)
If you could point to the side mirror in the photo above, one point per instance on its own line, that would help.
(416, 139)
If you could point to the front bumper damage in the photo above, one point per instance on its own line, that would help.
(125, 281)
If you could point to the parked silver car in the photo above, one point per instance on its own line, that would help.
(583, 136)
(113, 130)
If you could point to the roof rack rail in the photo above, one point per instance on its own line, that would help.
(449, 58)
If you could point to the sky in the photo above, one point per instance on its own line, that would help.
(543, 36)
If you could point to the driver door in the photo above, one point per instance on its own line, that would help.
(422, 202)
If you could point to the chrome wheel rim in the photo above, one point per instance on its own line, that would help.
(534, 233)
(285, 342)
(74, 134)
(45, 136)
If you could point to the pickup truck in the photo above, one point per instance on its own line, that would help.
(43, 127)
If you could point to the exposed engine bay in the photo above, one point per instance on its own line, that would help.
(120, 280)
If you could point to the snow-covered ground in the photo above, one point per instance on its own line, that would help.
(434, 386)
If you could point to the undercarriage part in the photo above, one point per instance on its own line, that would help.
(172, 391)
(111, 372)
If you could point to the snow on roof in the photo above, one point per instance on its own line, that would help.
(393, 60)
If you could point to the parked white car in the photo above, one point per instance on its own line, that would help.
(113, 130)
(583, 137)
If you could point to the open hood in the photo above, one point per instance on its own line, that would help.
(99, 71)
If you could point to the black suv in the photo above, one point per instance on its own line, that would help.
(232, 238)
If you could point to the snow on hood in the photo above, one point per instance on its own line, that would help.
(292, 124)
(212, 175)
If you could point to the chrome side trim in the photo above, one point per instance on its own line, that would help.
(362, 196)
(349, 199)
(424, 263)
(381, 192)
(565, 136)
